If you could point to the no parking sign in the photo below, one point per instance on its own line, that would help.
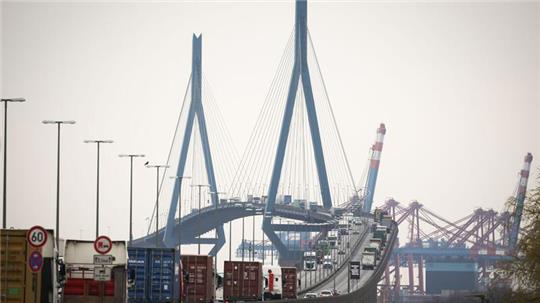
(35, 261)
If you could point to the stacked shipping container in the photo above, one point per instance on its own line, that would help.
(152, 273)
(242, 281)
(198, 282)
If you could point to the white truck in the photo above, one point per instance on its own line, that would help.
(368, 260)
(272, 290)
(310, 260)
(333, 238)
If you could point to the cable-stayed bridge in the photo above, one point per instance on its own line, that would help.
(295, 175)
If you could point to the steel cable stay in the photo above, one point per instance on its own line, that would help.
(254, 142)
(180, 114)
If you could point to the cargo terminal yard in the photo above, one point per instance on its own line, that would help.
(308, 230)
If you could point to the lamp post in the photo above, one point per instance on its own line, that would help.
(198, 214)
(157, 167)
(131, 156)
(58, 124)
(98, 144)
(179, 180)
(4, 213)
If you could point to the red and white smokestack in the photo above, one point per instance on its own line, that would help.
(377, 147)
(524, 175)
(374, 167)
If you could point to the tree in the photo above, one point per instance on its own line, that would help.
(524, 269)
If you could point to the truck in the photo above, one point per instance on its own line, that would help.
(289, 282)
(322, 248)
(151, 274)
(273, 288)
(333, 237)
(380, 233)
(310, 260)
(17, 282)
(374, 250)
(368, 260)
(197, 283)
(344, 225)
(93, 277)
(242, 281)
(386, 221)
(328, 262)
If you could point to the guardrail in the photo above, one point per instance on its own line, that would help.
(368, 292)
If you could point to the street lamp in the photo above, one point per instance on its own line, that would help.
(179, 180)
(131, 156)
(98, 144)
(4, 213)
(58, 124)
(199, 212)
(157, 167)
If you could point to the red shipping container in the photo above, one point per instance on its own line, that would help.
(290, 282)
(242, 281)
(198, 272)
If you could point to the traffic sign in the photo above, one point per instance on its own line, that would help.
(102, 273)
(103, 259)
(103, 245)
(35, 262)
(36, 236)
(354, 269)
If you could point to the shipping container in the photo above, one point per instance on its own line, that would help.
(18, 284)
(289, 281)
(88, 280)
(242, 281)
(198, 278)
(151, 274)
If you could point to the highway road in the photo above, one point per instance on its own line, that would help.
(309, 278)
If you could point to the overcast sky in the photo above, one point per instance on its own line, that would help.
(457, 85)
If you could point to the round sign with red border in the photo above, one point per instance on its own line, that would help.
(36, 236)
(103, 245)
(35, 261)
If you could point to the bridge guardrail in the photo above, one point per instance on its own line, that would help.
(368, 292)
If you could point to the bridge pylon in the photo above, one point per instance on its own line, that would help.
(196, 110)
(301, 73)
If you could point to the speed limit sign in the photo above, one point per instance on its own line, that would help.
(37, 236)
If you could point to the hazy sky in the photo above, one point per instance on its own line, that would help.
(457, 85)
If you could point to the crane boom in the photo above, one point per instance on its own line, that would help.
(520, 199)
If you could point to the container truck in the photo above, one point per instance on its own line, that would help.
(92, 277)
(273, 288)
(333, 237)
(289, 282)
(242, 281)
(17, 282)
(151, 274)
(197, 284)
(368, 260)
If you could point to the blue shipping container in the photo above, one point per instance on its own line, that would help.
(154, 274)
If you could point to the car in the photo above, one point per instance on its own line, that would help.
(310, 295)
(328, 265)
(341, 252)
(325, 293)
(356, 232)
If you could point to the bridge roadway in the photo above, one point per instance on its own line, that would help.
(199, 222)
(363, 290)
(311, 279)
